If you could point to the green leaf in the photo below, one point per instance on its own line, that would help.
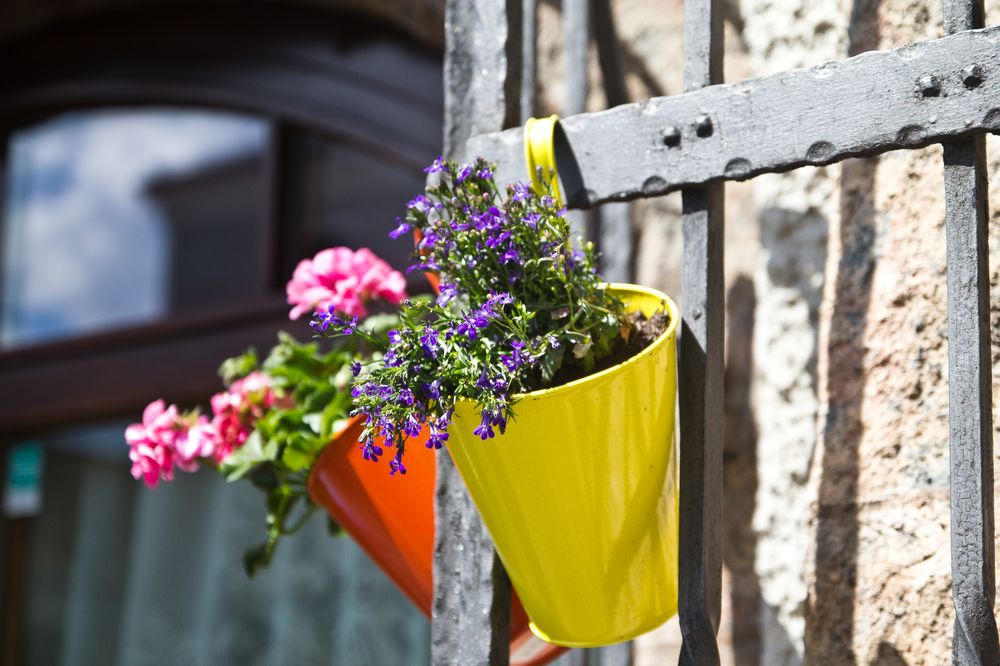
(333, 527)
(300, 451)
(314, 420)
(334, 413)
(238, 366)
(257, 558)
(243, 459)
(264, 477)
(379, 324)
(296, 459)
(341, 379)
(550, 363)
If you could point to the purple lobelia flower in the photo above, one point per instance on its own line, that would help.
(463, 173)
(433, 389)
(491, 418)
(419, 203)
(437, 166)
(411, 426)
(439, 430)
(396, 464)
(511, 255)
(473, 323)
(494, 302)
(499, 239)
(521, 192)
(516, 358)
(405, 397)
(446, 292)
(428, 241)
(323, 321)
(370, 451)
(429, 342)
(401, 228)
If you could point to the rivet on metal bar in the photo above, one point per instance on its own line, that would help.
(703, 126)
(671, 137)
(972, 76)
(929, 86)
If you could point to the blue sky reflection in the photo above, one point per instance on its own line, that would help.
(84, 249)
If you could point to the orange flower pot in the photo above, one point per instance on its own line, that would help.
(392, 519)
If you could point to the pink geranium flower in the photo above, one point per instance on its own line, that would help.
(197, 442)
(165, 438)
(235, 411)
(344, 280)
(151, 443)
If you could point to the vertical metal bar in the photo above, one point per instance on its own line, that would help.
(614, 220)
(576, 28)
(970, 399)
(617, 241)
(471, 612)
(619, 654)
(576, 31)
(608, 52)
(701, 363)
(529, 58)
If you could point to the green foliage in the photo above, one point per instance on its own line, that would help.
(313, 402)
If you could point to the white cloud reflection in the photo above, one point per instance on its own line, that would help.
(84, 249)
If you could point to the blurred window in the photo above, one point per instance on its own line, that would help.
(347, 196)
(139, 247)
(120, 217)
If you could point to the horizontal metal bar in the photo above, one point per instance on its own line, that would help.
(878, 101)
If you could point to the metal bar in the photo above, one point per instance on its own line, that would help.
(471, 612)
(970, 404)
(576, 26)
(481, 87)
(617, 241)
(874, 102)
(970, 399)
(576, 29)
(614, 220)
(529, 58)
(608, 52)
(700, 368)
(619, 654)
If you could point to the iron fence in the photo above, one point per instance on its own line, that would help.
(943, 91)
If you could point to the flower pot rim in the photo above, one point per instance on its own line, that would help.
(645, 353)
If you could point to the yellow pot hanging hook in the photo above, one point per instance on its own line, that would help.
(540, 154)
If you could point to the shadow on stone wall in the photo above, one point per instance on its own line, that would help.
(830, 613)
(829, 635)
(739, 543)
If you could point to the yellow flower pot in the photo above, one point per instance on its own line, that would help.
(580, 494)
